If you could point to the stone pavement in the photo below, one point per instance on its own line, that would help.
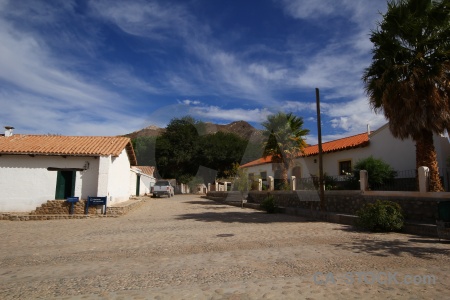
(187, 247)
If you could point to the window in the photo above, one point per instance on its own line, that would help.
(264, 176)
(251, 176)
(345, 167)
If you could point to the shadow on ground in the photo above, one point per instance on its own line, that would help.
(241, 217)
(384, 248)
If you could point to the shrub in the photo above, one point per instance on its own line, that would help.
(382, 216)
(379, 171)
(254, 186)
(269, 205)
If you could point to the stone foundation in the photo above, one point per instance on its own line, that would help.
(59, 210)
(62, 207)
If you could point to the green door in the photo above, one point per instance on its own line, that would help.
(138, 184)
(65, 184)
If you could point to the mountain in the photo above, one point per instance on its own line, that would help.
(147, 131)
(240, 128)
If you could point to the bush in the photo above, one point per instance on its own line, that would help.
(383, 216)
(269, 205)
(379, 172)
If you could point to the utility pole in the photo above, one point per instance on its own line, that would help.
(321, 181)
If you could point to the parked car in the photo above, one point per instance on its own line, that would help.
(163, 187)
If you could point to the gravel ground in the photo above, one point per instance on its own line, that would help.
(187, 247)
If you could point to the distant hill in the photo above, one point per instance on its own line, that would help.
(240, 128)
(147, 131)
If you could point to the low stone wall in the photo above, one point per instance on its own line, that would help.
(62, 207)
(59, 209)
(28, 217)
(124, 208)
(418, 209)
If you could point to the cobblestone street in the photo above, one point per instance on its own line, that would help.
(187, 247)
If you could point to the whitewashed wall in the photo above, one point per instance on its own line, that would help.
(119, 178)
(25, 182)
(133, 180)
(256, 170)
(399, 154)
(146, 182)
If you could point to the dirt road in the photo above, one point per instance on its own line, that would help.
(187, 247)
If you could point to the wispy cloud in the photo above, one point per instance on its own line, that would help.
(151, 19)
(360, 12)
(39, 92)
(82, 80)
(189, 102)
(215, 112)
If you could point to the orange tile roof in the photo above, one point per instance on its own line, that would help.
(355, 141)
(66, 145)
(260, 161)
(148, 170)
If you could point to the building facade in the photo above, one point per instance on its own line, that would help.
(339, 156)
(37, 168)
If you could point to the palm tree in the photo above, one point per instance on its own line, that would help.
(284, 135)
(409, 78)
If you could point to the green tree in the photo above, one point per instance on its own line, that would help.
(177, 149)
(144, 147)
(219, 151)
(379, 171)
(284, 135)
(409, 76)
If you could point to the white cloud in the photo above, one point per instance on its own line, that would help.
(35, 114)
(297, 106)
(39, 95)
(144, 18)
(217, 71)
(362, 13)
(123, 77)
(266, 73)
(354, 116)
(237, 114)
(190, 102)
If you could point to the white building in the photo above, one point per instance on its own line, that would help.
(339, 156)
(37, 168)
(142, 180)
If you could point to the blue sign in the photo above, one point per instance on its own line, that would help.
(73, 199)
(95, 201)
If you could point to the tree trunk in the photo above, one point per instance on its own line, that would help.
(284, 176)
(426, 156)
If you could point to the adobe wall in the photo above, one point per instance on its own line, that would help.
(420, 209)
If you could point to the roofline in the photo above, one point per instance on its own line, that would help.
(339, 139)
(363, 144)
(131, 154)
(128, 146)
(379, 129)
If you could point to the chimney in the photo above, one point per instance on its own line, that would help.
(8, 131)
(368, 129)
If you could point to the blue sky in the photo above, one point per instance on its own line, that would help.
(112, 67)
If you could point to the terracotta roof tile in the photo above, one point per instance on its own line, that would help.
(355, 141)
(261, 161)
(148, 170)
(66, 145)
